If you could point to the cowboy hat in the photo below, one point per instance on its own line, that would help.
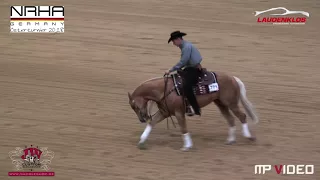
(176, 34)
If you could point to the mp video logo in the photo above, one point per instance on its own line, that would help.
(285, 169)
(286, 18)
(37, 19)
(28, 159)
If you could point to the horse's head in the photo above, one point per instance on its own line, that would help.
(139, 106)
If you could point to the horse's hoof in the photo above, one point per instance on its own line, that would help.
(185, 149)
(142, 146)
(252, 139)
(230, 142)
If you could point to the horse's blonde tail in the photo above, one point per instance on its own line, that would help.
(245, 102)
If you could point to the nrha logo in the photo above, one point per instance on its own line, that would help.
(295, 17)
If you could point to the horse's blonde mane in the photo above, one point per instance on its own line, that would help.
(150, 80)
(146, 82)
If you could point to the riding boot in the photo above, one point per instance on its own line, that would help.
(191, 79)
(196, 107)
(193, 101)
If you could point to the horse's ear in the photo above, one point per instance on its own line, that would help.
(129, 95)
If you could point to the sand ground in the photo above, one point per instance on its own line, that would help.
(68, 91)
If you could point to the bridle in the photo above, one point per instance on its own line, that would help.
(143, 117)
(146, 115)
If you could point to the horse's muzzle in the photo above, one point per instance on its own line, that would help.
(142, 120)
(144, 117)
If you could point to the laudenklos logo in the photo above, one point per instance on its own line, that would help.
(285, 169)
(28, 159)
(286, 18)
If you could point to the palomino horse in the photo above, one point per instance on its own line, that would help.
(222, 89)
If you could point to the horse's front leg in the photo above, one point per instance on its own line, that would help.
(187, 141)
(158, 117)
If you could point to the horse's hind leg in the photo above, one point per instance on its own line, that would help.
(227, 115)
(242, 117)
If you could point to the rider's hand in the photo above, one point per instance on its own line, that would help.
(167, 72)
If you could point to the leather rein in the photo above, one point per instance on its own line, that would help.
(166, 77)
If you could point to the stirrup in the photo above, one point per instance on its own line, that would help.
(190, 111)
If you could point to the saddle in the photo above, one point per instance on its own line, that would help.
(207, 83)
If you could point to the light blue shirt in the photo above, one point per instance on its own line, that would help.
(190, 56)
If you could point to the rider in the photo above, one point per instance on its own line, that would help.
(190, 59)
